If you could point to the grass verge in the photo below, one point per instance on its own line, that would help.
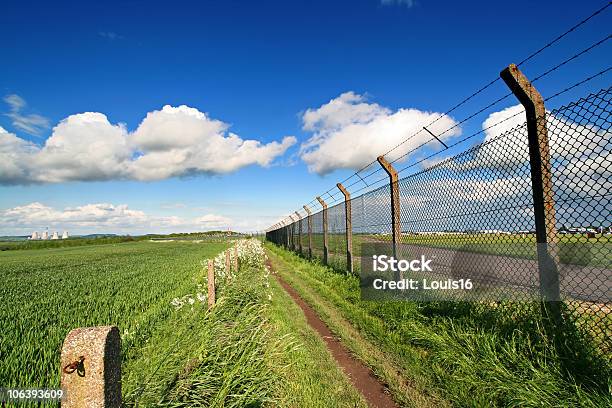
(310, 375)
(468, 355)
(253, 349)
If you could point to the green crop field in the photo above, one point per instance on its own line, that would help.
(46, 293)
(253, 348)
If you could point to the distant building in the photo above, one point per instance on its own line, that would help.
(34, 236)
(45, 235)
(65, 235)
(54, 236)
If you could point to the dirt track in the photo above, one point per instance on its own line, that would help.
(360, 375)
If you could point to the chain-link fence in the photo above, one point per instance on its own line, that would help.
(477, 213)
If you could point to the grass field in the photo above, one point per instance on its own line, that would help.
(46, 293)
(454, 354)
(253, 349)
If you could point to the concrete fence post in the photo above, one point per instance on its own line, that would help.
(289, 221)
(299, 234)
(325, 238)
(211, 284)
(286, 230)
(289, 232)
(292, 232)
(541, 182)
(309, 221)
(395, 203)
(91, 368)
(348, 224)
(228, 265)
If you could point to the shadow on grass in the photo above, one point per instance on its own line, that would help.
(574, 350)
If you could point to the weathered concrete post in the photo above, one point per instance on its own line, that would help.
(289, 232)
(211, 284)
(292, 232)
(299, 235)
(309, 231)
(91, 368)
(541, 181)
(348, 224)
(228, 265)
(395, 203)
(286, 233)
(325, 242)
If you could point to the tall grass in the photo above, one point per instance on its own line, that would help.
(473, 355)
(222, 357)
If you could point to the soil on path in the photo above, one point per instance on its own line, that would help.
(361, 376)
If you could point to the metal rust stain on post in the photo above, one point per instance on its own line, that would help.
(309, 222)
(211, 283)
(541, 178)
(348, 224)
(325, 238)
(91, 368)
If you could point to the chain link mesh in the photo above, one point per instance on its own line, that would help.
(474, 213)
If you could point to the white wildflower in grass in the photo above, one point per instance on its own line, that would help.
(177, 303)
(250, 253)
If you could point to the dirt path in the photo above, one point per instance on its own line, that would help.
(360, 375)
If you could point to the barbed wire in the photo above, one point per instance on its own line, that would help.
(563, 34)
(362, 179)
(489, 84)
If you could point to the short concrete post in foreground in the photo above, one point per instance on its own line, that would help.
(211, 283)
(91, 368)
(325, 242)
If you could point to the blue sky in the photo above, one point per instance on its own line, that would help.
(254, 69)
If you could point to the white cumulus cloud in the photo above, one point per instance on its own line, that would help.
(349, 132)
(101, 217)
(171, 142)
